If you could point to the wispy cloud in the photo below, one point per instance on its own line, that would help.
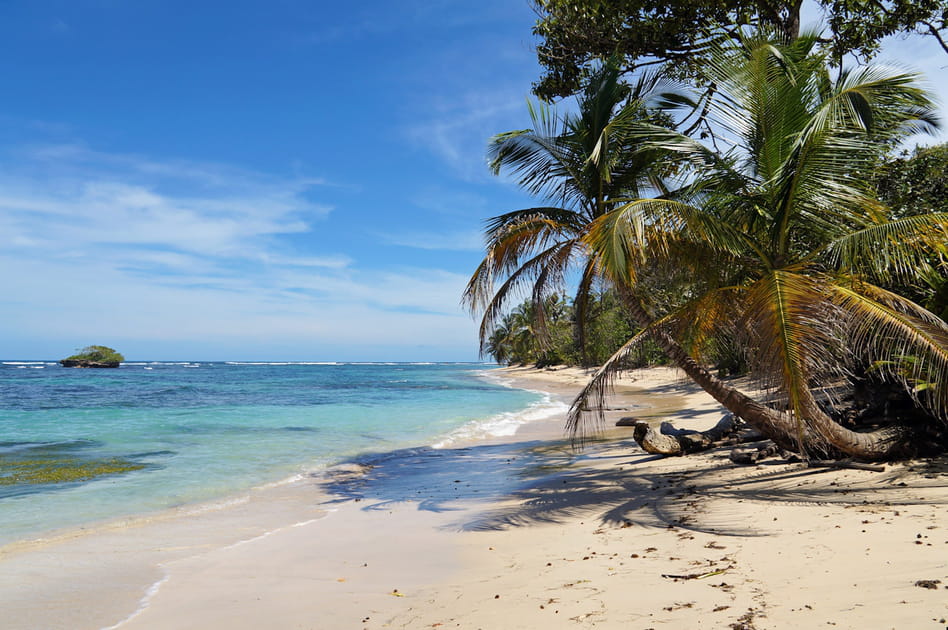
(67, 200)
(116, 246)
(466, 241)
(458, 132)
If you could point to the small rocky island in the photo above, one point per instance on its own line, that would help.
(94, 357)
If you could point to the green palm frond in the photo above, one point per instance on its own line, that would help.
(625, 237)
(890, 249)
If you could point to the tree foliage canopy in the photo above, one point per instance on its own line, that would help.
(575, 33)
(97, 354)
(915, 184)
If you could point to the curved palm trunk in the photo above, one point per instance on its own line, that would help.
(884, 443)
(776, 425)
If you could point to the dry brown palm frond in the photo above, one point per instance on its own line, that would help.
(709, 317)
(794, 334)
(520, 283)
(589, 403)
(903, 340)
(547, 283)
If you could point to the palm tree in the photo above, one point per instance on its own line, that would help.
(582, 165)
(786, 217)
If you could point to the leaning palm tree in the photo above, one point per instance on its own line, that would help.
(802, 244)
(582, 165)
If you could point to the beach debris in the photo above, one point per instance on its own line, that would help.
(832, 463)
(669, 440)
(745, 621)
(752, 455)
(395, 593)
(696, 576)
(932, 584)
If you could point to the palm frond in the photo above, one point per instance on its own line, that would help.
(790, 321)
(891, 249)
(884, 325)
(524, 281)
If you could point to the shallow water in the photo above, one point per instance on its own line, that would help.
(78, 446)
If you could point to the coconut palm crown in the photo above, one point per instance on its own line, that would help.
(582, 165)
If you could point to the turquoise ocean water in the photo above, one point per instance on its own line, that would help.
(195, 432)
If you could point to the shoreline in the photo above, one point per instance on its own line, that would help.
(43, 575)
(473, 431)
(522, 532)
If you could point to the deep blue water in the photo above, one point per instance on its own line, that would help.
(199, 431)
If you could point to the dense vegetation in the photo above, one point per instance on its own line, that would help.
(761, 230)
(514, 340)
(97, 354)
(912, 184)
(574, 34)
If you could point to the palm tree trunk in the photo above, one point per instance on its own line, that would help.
(880, 444)
(777, 426)
(806, 438)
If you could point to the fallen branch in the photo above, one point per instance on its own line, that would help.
(696, 576)
(830, 463)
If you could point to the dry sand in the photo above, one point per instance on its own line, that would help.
(521, 533)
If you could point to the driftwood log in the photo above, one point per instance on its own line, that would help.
(668, 440)
(671, 441)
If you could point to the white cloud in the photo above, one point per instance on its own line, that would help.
(74, 199)
(101, 247)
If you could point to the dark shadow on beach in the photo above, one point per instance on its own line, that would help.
(547, 483)
(441, 480)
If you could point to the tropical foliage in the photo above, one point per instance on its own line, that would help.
(607, 327)
(913, 184)
(575, 34)
(784, 246)
(97, 354)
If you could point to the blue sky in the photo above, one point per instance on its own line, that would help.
(278, 180)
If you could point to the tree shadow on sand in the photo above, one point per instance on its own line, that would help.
(548, 483)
